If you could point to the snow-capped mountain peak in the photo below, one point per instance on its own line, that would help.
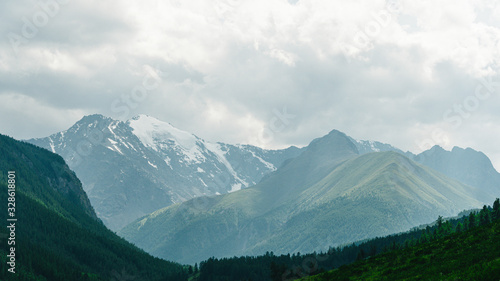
(152, 132)
(132, 168)
(368, 146)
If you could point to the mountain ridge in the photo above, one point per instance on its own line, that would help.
(464, 164)
(281, 213)
(130, 169)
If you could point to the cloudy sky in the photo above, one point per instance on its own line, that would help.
(271, 73)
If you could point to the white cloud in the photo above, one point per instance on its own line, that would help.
(385, 70)
(24, 117)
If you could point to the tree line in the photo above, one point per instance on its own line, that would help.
(297, 265)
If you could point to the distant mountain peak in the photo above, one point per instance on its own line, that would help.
(437, 147)
(141, 116)
(333, 135)
(331, 146)
(464, 164)
(336, 132)
(454, 149)
(467, 149)
(151, 132)
(93, 117)
(368, 146)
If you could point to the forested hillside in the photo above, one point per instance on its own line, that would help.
(472, 254)
(57, 235)
(291, 267)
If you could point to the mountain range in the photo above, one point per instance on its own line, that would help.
(130, 169)
(185, 199)
(466, 165)
(328, 195)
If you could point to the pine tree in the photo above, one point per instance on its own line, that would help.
(361, 255)
(472, 220)
(496, 209)
(447, 228)
(277, 271)
(439, 222)
(484, 216)
(373, 250)
(439, 231)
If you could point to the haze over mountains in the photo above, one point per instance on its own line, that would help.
(335, 190)
(130, 169)
(328, 195)
(466, 165)
(469, 166)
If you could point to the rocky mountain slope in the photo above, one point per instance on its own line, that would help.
(130, 169)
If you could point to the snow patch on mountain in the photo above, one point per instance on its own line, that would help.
(150, 130)
(152, 165)
(167, 161)
(52, 146)
(215, 148)
(368, 146)
(270, 166)
(235, 187)
(372, 146)
(111, 128)
(368, 143)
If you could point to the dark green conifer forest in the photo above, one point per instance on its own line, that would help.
(419, 244)
(57, 235)
(470, 254)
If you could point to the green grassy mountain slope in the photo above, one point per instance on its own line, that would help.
(57, 235)
(329, 195)
(372, 195)
(470, 255)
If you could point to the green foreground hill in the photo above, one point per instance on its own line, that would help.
(470, 255)
(57, 234)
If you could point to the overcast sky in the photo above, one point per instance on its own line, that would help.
(271, 73)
